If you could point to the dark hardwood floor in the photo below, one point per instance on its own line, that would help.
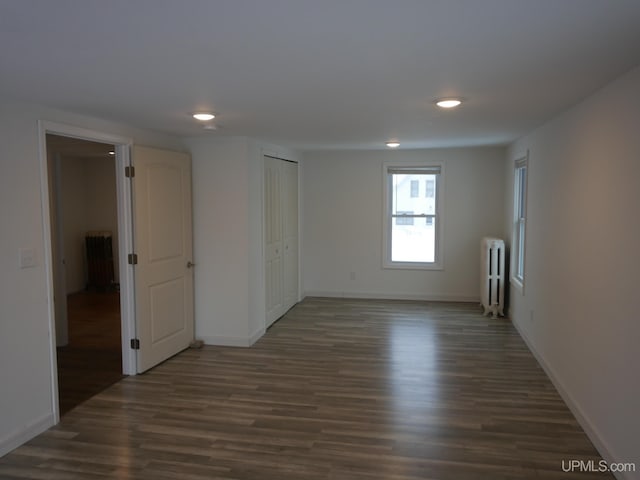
(337, 389)
(92, 361)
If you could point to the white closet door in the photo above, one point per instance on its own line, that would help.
(281, 236)
(273, 240)
(290, 232)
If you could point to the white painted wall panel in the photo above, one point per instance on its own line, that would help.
(579, 310)
(342, 223)
(228, 239)
(221, 237)
(25, 367)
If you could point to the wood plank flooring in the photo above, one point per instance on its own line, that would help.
(337, 389)
(92, 361)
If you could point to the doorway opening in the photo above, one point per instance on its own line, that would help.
(86, 267)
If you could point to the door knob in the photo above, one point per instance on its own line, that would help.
(190, 264)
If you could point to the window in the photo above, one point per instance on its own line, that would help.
(519, 220)
(430, 189)
(412, 223)
(404, 218)
(415, 188)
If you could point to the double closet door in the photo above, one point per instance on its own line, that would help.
(281, 236)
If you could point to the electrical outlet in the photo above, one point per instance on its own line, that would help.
(28, 257)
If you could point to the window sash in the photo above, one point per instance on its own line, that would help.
(428, 209)
(419, 205)
(519, 219)
(436, 170)
(520, 229)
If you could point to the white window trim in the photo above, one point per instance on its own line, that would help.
(438, 264)
(519, 282)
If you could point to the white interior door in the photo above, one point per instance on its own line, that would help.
(164, 248)
(273, 240)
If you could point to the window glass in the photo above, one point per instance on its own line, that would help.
(412, 219)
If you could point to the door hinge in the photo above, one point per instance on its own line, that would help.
(132, 258)
(135, 344)
(129, 172)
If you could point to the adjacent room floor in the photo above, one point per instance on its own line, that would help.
(337, 389)
(92, 361)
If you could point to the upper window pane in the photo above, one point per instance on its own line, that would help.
(403, 199)
(522, 188)
(519, 221)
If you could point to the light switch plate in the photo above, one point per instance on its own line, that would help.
(28, 258)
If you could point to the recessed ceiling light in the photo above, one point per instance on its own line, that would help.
(204, 116)
(448, 102)
(112, 152)
(393, 144)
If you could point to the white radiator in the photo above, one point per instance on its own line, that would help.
(492, 276)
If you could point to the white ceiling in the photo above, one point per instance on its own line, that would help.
(315, 74)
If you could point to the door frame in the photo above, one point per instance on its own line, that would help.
(59, 277)
(125, 241)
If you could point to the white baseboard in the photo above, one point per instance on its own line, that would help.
(32, 429)
(256, 335)
(224, 341)
(393, 296)
(587, 425)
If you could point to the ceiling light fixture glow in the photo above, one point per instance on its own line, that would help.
(448, 102)
(112, 152)
(393, 144)
(203, 116)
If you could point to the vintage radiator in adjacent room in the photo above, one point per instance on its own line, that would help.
(492, 276)
(99, 260)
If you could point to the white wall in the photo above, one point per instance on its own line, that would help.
(228, 207)
(89, 202)
(343, 217)
(102, 202)
(72, 195)
(25, 358)
(580, 311)
(221, 238)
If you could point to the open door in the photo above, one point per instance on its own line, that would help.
(164, 249)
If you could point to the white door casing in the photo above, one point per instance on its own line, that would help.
(164, 248)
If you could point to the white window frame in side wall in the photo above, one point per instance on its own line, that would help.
(518, 239)
(436, 217)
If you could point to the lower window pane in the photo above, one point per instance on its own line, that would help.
(413, 243)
